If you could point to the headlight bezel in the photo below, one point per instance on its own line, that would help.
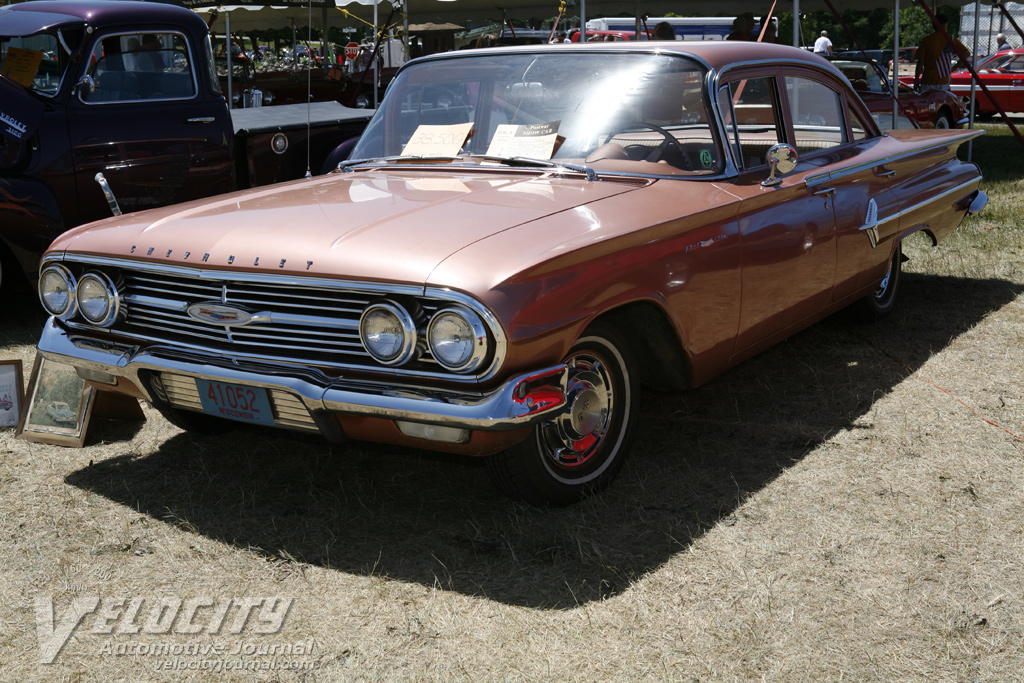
(113, 309)
(408, 350)
(481, 343)
(70, 281)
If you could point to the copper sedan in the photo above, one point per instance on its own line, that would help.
(499, 275)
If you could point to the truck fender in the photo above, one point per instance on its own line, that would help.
(30, 219)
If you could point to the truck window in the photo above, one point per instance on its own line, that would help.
(140, 66)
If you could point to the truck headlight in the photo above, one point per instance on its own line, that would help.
(97, 299)
(57, 291)
(458, 339)
(388, 333)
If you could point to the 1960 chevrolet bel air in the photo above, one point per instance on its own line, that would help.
(498, 271)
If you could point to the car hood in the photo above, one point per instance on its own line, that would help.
(389, 225)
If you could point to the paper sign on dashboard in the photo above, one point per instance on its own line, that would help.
(437, 141)
(536, 141)
(21, 65)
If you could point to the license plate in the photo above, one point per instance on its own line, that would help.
(235, 401)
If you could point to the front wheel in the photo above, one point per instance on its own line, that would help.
(943, 122)
(581, 449)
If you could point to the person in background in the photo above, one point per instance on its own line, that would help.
(742, 26)
(769, 33)
(823, 46)
(935, 57)
(664, 31)
(1002, 43)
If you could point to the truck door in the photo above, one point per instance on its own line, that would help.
(150, 125)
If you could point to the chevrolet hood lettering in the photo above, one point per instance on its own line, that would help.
(218, 314)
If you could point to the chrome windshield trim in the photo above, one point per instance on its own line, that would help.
(508, 406)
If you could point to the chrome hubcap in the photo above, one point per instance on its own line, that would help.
(576, 435)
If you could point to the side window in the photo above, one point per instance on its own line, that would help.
(817, 115)
(750, 110)
(859, 131)
(140, 66)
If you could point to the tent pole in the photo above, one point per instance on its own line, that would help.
(227, 54)
(977, 21)
(583, 21)
(376, 76)
(796, 23)
(896, 62)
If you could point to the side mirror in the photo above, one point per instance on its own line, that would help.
(85, 86)
(781, 159)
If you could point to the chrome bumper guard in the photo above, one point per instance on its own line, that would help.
(522, 401)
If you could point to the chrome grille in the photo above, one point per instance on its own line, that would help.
(289, 412)
(308, 324)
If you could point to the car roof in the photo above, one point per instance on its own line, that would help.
(30, 17)
(717, 54)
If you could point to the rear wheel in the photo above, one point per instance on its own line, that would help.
(880, 303)
(581, 449)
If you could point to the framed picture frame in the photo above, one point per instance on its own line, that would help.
(58, 406)
(12, 393)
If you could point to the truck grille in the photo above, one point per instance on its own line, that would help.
(315, 325)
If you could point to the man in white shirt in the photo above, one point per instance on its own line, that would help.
(823, 46)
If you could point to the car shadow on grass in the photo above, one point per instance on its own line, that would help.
(436, 520)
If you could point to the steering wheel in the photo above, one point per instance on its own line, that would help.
(656, 154)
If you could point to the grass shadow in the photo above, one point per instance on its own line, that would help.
(436, 520)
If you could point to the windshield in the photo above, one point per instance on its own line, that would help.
(37, 62)
(622, 112)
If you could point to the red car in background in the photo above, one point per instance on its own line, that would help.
(930, 109)
(1002, 74)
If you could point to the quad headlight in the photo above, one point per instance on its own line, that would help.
(57, 291)
(97, 299)
(388, 333)
(458, 339)
(93, 296)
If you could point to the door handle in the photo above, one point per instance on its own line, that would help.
(886, 173)
(828, 191)
(203, 119)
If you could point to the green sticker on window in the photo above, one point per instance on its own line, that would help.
(705, 158)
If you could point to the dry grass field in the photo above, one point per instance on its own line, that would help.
(846, 506)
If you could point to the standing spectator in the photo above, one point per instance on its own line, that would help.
(770, 35)
(664, 31)
(823, 46)
(1003, 43)
(935, 57)
(742, 26)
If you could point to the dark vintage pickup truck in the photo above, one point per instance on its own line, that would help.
(128, 89)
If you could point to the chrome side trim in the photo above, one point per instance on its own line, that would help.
(954, 190)
(520, 402)
(836, 174)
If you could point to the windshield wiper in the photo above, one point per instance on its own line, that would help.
(521, 162)
(547, 163)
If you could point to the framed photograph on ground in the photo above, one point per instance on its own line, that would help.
(58, 407)
(12, 393)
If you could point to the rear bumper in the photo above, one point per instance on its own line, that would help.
(520, 402)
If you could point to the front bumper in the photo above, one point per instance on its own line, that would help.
(520, 402)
